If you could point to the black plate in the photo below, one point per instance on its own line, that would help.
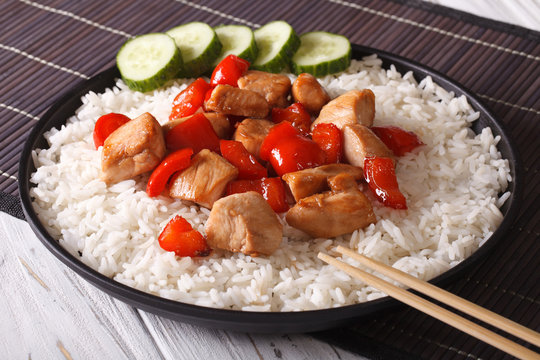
(305, 321)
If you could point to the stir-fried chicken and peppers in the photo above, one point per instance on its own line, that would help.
(250, 145)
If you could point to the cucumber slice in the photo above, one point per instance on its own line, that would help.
(199, 45)
(238, 40)
(277, 42)
(322, 53)
(147, 62)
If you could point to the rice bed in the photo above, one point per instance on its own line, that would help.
(453, 187)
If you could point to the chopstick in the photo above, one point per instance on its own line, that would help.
(436, 311)
(448, 298)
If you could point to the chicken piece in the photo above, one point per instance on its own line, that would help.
(307, 182)
(204, 180)
(134, 148)
(274, 87)
(244, 223)
(307, 91)
(234, 101)
(359, 141)
(219, 122)
(251, 133)
(339, 211)
(353, 107)
(342, 182)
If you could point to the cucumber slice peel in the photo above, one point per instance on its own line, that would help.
(277, 42)
(147, 62)
(199, 46)
(322, 53)
(238, 40)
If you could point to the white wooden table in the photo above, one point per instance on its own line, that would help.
(48, 312)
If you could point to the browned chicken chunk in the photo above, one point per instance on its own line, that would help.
(307, 91)
(274, 87)
(342, 182)
(234, 101)
(353, 107)
(307, 182)
(134, 148)
(359, 141)
(205, 179)
(244, 223)
(339, 211)
(219, 122)
(251, 133)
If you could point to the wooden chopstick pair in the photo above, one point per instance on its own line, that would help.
(436, 311)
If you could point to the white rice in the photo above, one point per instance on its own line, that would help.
(452, 186)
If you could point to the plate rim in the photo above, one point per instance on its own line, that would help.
(266, 322)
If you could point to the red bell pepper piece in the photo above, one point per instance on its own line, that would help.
(106, 125)
(229, 70)
(380, 175)
(287, 150)
(296, 114)
(179, 236)
(329, 138)
(176, 161)
(296, 154)
(276, 135)
(398, 140)
(196, 133)
(272, 189)
(236, 154)
(189, 100)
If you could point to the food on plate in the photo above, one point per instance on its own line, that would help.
(381, 178)
(295, 114)
(189, 100)
(397, 139)
(204, 180)
(105, 126)
(219, 122)
(147, 62)
(132, 149)
(304, 183)
(321, 53)
(287, 149)
(196, 133)
(339, 211)
(248, 167)
(173, 163)
(353, 107)
(274, 87)
(192, 229)
(360, 142)
(330, 139)
(307, 91)
(271, 188)
(244, 223)
(236, 40)
(277, 42)
(179, 237)
(199, 45)
(231, 100)
(229, 70)
(251, 133)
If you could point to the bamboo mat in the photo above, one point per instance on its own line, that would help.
(49, 46)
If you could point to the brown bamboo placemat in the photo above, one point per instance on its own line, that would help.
(49, 46)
